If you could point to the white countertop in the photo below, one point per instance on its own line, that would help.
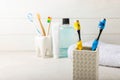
(27, 66)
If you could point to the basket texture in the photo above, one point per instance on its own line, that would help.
(85, 64)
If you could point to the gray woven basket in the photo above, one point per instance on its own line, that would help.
(85, 64)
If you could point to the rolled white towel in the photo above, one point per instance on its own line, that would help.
(109, 54)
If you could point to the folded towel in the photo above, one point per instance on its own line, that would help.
(109, 54)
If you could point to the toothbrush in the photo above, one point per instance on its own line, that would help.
(49, 21)
(77, 27)
(41, 25)
(96, 41)
(30, 18)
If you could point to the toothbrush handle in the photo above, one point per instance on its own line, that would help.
(79, 45)
(79, 35)
(96, 41)
(48, 28)
(94, 45)
(42, 28)
(99, 34)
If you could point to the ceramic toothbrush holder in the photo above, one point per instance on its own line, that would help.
(43, 45)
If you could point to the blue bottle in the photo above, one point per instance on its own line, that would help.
(67, 37)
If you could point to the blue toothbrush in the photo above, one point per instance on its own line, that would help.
(30, 18)
(96, 41)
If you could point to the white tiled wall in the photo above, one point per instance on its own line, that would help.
(17, 33)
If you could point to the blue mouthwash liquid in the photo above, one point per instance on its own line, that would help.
(67, 38)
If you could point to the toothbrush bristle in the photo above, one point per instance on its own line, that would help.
(30, 17)
(77, 25)
(102, 24)
(38, 15)
(49, 19)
